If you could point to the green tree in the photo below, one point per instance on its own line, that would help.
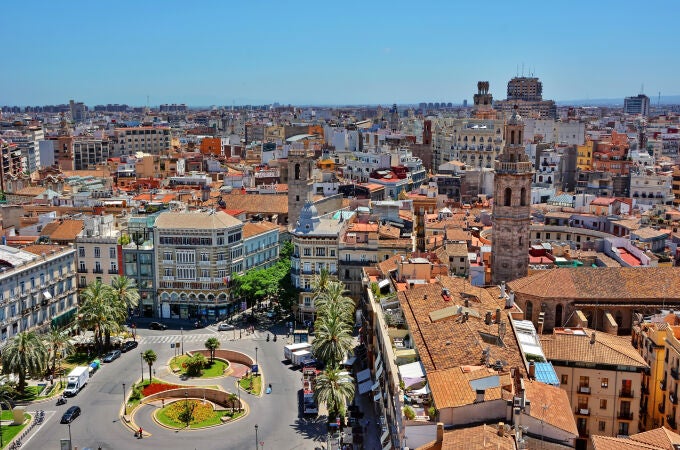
(333, 301)
(332, 340)
(212, 344)
(124, 292)
(100, 314)
(25, 353)
(233, 400)
(57, 343)
(333, 388)
(150, 357)
(195, 364)
(320, 282)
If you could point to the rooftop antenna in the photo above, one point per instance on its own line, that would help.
(517, 70)
(658, 101)
(642, 88)
(522, 69)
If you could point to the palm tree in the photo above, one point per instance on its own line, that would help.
(334, 387)
(212, 344)
(124, 292)
(99, 313)
(320, 281)
(150, 357)
(333, 300)
(24, 353)
(233, 399)
(57, 344)
(332, 340)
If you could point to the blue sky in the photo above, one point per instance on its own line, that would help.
(254, 52)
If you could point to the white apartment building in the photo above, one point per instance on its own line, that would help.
(649, 188)
(88, 152)
(569, 133)
(37, 288)
(99, 255)
(128, 141)
(476, 142)
(260, 245)
(196, 255)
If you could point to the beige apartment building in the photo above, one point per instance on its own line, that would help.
(671, 378)
(99, 255)
(153, 140)
(602, 375)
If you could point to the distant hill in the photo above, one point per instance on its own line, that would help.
(665, 100)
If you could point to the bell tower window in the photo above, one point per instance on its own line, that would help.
(508, 196)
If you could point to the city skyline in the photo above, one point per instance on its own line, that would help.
(378, 53)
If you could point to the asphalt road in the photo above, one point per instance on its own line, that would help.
(99, 426)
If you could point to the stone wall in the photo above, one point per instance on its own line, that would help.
(228, 355)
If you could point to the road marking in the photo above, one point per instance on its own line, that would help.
(37, 428)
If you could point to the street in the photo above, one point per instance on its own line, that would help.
(275, 414)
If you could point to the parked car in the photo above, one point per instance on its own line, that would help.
(110, 356)
(225, 327)
(129, 345)
(70, 414)
(157, 326)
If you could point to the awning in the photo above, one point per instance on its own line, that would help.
(384, 436)
(383, 283)
(387, 446)
(364, 375)
(422, 391)
(375, 386)
(379, 371)
(47, 295)
(364, 387)
(412, 373)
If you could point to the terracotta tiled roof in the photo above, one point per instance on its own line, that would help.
(473, 438)
(49, 228)
(257, 203)
(558, 402)
(39, 249)
(451, 341)
(614, 443)
(451, 388)
(67, 230)
(251, 229)
(389, 265)
(661, 437)
(590, 283)
(196, 220)
(607, 348)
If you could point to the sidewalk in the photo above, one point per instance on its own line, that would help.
(372, 432)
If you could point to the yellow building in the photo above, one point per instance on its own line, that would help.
(584, 154)
(671, 378)
(602, 374)
(649, 340)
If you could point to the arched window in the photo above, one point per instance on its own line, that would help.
(519, 137)
(512, 137)
(508, 196)
(523, 197)
(528, 311)
(521, 241)
(297, 171)
(558, 316)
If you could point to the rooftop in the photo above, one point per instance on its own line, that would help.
(196, 220)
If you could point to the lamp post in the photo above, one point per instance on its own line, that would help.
(70, 444)
(124, 403)
(256, 356)
(186, 407)
(181, 332)
(257, 441)
(141, 364)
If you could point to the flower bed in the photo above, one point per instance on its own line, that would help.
(202, 414)
(155, 388)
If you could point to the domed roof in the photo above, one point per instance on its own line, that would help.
(308, 211)
(515, 118)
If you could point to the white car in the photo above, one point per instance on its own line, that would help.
(225, 327)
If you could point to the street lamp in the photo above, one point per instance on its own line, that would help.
(186, 407)
(255, 355)
(70, 444)
(124, 401)
(181, 332)
(257, 441)
(141, 364)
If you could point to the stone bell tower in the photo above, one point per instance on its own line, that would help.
(511, 215)
(300, 166)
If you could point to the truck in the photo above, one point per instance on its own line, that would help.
(76, 380)
(288, 350)
(309, 405)
(301, 358)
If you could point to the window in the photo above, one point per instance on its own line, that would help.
(603, 403)
(186, 273)
(332, 252)
(601, 425)
(114, 266)
(167, 272)
(81, 252)
(584, 381)
(564, 379)
(97, 252)
(112, 252)
(623, 428)
(320, 251)
(186, 256)
(307, 251)
(604, 383)
(529, 311)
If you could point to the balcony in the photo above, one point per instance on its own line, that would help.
(97, 270)
(662, 407)
(662, 385)
(673, 397)
(82, 285)
(582, 411)
(626, 393)
(625, 415)
(671, 421)
(82, 270)
(583, 432)
(113, 271)
(674, 373)
(584, 389)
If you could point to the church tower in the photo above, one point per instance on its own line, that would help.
(300, 166)
(511, 215)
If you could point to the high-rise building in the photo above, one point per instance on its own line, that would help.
(88, 152)
(512, 206)
(527, 94)
(636, 105)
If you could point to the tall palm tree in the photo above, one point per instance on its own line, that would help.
(124, 292)
(150, 357)
(212, 344)
(320, 281)
(25, 353)
(333, 300)
(57, 344)
(332, 340)
(334, 387)
(99, 313)
(233, 400)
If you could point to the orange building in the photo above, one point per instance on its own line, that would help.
(211, 146)
(611, 154)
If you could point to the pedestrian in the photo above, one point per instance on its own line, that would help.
(141, 435)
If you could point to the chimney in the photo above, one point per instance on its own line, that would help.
(532, 370)
(515, 416)
(480, 395)
(498, 315)
(501, 429)
(510, 300)
(592, 338)
(467, 303)
(487, 318)
(502, 289)
(466, 316)
(440, 432)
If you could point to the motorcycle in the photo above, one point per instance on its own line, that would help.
(61, 401)
(274, 338)
(267, 337)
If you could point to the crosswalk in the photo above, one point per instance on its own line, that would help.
(174, 338)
